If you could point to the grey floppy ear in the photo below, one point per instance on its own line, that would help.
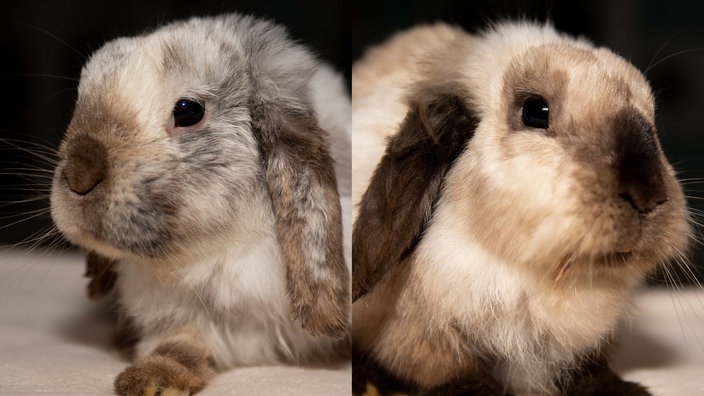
(300, 177)
(398, 203)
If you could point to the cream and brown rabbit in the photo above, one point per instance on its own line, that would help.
(198, 169)
(511, 195)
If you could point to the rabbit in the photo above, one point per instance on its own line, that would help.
(198, 171)
(510, 196)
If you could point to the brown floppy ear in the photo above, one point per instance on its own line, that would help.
(398, 203)
(300, 177)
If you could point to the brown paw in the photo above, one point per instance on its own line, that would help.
(158, 376)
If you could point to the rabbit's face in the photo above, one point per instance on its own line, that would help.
(545, 155)
(565, 166)
(160, 155)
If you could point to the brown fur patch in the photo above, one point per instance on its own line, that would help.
(86, 164)
(398, 202)
(158, 374)
(594, 377)
(301, 182)
(176, 367)
(480, 384)
(191, 357)
(126, 335)
(100, 271)
(640, 169)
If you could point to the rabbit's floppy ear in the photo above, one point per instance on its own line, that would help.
(398, 203)
(301, 181)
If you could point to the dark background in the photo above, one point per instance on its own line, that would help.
(643, 32)
(35, 108)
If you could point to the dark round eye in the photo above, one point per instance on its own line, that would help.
(188, 112)
(535, 113)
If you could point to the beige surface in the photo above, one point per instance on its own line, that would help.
(664, 346)
(53, 341)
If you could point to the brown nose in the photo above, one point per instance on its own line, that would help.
(641, 181)
(86, 164)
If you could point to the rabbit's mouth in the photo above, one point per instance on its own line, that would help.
(112, 227)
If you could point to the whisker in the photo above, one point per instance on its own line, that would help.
(687, 269)
(33, 242)
(46, 75)
(694, 180)
(45, 146)
(662, 47)
(4, 204)
(678, 53)
(31, 187)
(40, 210)
(35, 214)
(12, 171)
(55, 37)
(47, 156)
(695, 198)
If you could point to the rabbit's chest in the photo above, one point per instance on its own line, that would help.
(525, 328)
(237, 301)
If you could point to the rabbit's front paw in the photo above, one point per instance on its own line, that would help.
(158, 375)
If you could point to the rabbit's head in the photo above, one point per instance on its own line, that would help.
(184, 142)
(540, 148)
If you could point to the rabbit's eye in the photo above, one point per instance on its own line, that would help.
(535, 113)
(188, 112)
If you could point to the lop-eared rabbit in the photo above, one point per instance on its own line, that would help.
(511, 194)
(198, 170)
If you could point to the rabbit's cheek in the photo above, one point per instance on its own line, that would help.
(123, 210)
(140, 220)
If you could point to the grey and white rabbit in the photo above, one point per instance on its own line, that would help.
(205, 168)
(511, 195)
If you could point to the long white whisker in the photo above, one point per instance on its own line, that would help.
(44, 146)
(678, 53)
(4, 204)
(55, 37)
(45, 75)
(35, 214)
(662, 47)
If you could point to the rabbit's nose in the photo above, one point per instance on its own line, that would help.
(641, 181)
(642, 201)
(86, 164)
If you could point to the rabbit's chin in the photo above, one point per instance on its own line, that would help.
(171, 251)
(78, 229)
(93, 243)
